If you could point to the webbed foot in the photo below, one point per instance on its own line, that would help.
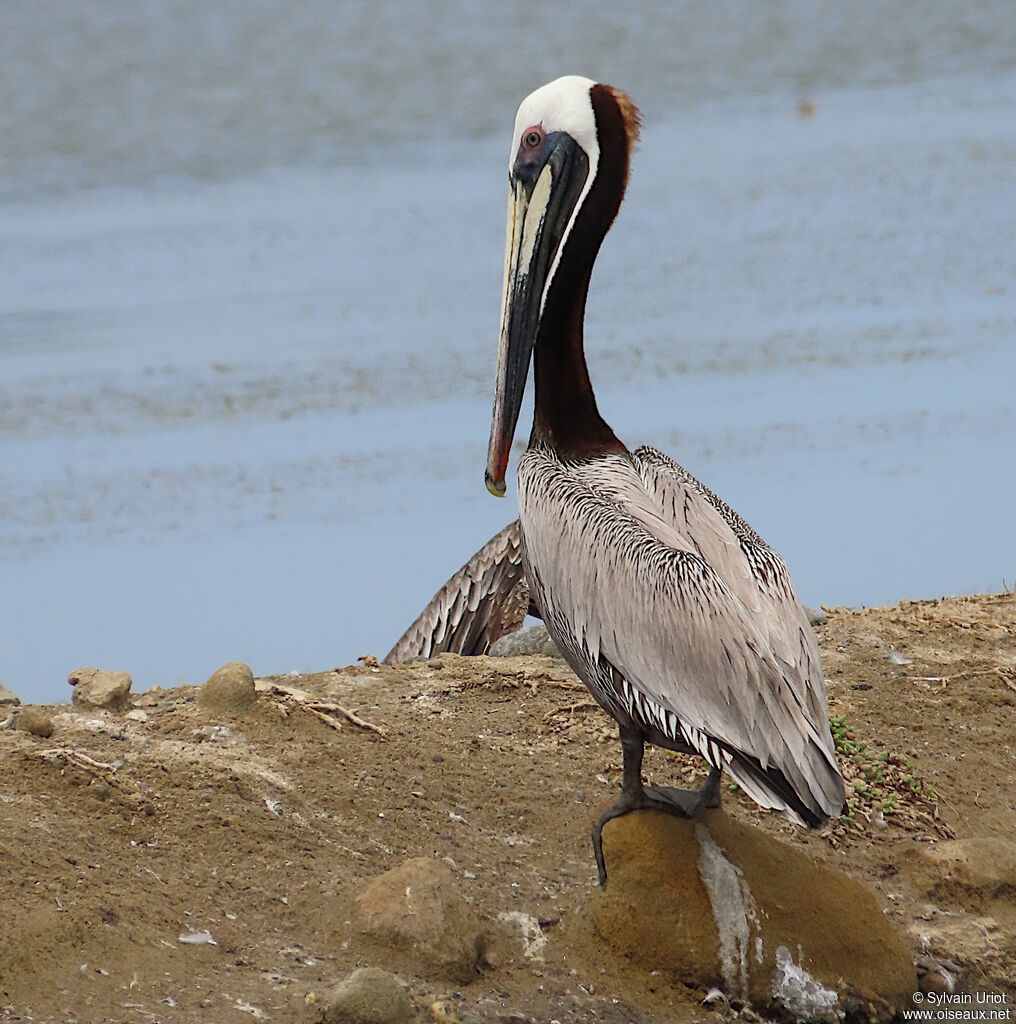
(692, 801)
(681, 803)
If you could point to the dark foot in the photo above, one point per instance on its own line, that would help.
(628, 801)
(681, 803)
(692, 801)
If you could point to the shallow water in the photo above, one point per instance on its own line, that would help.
(250, 259)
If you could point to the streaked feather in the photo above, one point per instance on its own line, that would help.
(644, 576)
(486, 599)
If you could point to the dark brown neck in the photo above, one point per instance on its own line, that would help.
(566, 418)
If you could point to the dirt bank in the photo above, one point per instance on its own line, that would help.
(129, 840)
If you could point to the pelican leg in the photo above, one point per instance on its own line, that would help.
(636, 797)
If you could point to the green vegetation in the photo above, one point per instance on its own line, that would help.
(880, 781)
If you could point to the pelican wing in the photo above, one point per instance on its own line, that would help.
(753, 571)
(649, 595)
(486, 599)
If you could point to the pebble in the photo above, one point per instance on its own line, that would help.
(97, 688)
(368, 996)
(229, 690)
(8, 696)
(34, 721)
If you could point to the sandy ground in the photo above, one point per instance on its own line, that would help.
(122, 833)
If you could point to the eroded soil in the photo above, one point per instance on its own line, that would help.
(122, 833)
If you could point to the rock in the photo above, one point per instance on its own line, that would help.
(98, 689)
(968, 930)
(715, 903)
(966, 870)
(368, 996)
(34, 721)
(8, 696)
(816, 616)
(419, 909)
(937, 975)
(531, 640)
(229, 690)
(959, 948)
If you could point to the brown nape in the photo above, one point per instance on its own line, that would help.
(629, 113)
(630, 118)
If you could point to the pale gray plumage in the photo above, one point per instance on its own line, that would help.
(486, 599)
(681, 620)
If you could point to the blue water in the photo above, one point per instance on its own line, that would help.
(250, 261)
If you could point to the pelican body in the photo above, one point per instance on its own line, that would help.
(676, 615)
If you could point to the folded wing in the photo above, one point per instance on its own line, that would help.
(655, 580)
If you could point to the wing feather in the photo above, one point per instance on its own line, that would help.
(755, 572)
(486, 599)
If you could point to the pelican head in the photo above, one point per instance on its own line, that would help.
(572, 139)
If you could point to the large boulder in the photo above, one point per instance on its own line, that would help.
(717, 904)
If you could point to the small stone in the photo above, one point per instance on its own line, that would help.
(8, 696)
(531, 640)
(953, 943)
(34, 721)
(419, 909)
(368, 996)
(96, 688)
(816, 616)
(229, 690)
(935, 975)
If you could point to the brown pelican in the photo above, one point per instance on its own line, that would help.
(679, 618)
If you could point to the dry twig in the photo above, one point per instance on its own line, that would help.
(319, 708)
(570, 709)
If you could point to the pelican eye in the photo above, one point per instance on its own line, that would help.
(532, 139)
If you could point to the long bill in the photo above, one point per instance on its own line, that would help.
(540, 208)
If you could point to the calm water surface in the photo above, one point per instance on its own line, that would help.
(250, 261)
